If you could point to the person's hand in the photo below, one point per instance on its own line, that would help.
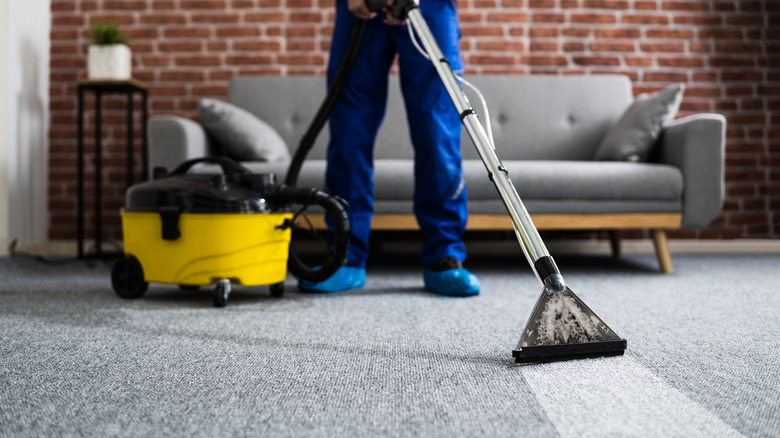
(392, 20)
(360, 10)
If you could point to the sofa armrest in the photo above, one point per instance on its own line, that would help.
(696, 144)
(173, 140)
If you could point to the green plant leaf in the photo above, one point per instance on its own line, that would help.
(108, 33)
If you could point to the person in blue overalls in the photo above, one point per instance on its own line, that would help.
(440, 194)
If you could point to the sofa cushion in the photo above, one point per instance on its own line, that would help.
(634, 135)
(544, 186)
(588, 180)
(244, 136)
(554, 180)
(549, 117)
(550, 187)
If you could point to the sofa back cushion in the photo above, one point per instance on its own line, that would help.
(533, 117)
(550, 117)
(289, 104)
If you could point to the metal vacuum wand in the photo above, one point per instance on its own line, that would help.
(561, 325)
(538, 257)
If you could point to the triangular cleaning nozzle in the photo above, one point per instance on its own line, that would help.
(563, 327)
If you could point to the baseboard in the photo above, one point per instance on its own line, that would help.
(65, 248)
(57, 248)
(4, 246)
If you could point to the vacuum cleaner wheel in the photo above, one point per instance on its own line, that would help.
(221, 293)
(127, 278)
(277, 290)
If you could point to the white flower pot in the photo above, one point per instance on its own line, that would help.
(110, 62)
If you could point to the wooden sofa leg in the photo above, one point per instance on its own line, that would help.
(614, 243)
(662, 251)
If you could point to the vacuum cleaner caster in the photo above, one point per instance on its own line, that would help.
(127, 278)
(277, 290)
(221, 293)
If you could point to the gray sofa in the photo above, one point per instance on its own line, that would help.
(547, 131)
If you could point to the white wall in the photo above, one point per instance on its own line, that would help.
(4, 12)
(24, 120)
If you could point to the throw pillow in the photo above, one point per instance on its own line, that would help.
(243, 136)
(634, 135)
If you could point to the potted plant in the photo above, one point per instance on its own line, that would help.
(109, 55)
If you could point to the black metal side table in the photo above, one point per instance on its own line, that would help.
(100, 87)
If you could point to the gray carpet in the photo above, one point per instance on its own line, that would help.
(391, 360)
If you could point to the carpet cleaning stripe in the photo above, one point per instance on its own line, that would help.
(618, 395)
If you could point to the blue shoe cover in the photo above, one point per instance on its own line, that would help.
(346, 278)
(452, 282)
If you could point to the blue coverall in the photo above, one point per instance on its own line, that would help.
(439, 195)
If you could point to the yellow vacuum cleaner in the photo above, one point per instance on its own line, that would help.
(218, 229)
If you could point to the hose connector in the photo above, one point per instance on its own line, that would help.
(548, 272)
(554, 283)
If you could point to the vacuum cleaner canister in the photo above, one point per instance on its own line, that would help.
(203, 229)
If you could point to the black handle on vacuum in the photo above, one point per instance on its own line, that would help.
(398, 9)
(342, 230)
(230, 167)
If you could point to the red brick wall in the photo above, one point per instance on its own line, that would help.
(727, 52)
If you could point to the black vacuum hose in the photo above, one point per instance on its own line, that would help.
(335, 207)
(326, 108)
(342, 230)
